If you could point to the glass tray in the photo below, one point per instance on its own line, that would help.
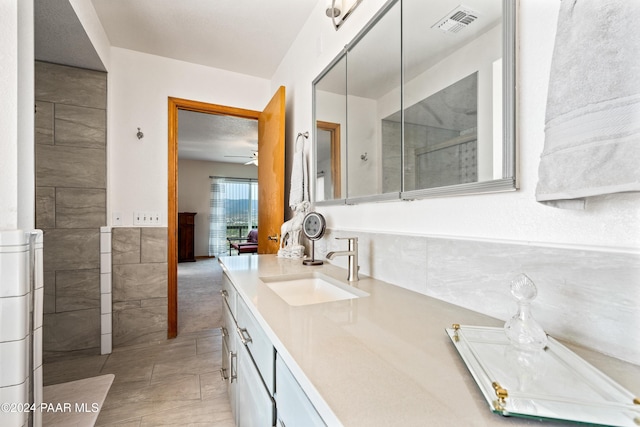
(554, 383)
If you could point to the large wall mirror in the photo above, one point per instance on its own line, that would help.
(424, 100)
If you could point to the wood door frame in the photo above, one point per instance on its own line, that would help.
(176, 104)
(334, 130)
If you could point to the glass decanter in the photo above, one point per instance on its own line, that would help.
(522, 330)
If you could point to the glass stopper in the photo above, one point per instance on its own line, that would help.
(522, 330)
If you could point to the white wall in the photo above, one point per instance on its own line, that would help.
(608, 221)
(17, 181)
(26, 118)
(139, 88)
(8, 114)
(194, 193)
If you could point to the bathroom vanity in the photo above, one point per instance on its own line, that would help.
(369, 355)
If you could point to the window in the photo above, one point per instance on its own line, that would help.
(234, 211)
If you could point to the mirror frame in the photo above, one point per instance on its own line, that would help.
(509, 180)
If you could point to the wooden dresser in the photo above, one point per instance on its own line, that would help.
(186, 223)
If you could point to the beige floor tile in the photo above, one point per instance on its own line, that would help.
(166, 350)
(212, 386)
(209, 344)
(203, 413)
(73, 369)
(198, 364)
(127, 423)
(126, 403)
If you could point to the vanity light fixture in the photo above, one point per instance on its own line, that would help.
(332, 11)
(340, 10)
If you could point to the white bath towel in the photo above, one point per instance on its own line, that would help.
(299, 179)
(592, 134)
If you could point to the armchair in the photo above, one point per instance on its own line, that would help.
(248, 245)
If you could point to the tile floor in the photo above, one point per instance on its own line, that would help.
(175, 382)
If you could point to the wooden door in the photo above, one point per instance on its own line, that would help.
(271, 173)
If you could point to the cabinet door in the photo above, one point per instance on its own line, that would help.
(255, 406)
(294, 407)
(258, 344)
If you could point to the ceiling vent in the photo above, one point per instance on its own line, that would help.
(456, 20)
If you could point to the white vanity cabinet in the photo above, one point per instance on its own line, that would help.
(261, 388)
(294, 408)
(248, 361)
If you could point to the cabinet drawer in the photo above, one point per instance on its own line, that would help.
(230, 296)
(258, 344)
(294, 407)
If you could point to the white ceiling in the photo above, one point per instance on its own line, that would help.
(243, 36)
(216, 138)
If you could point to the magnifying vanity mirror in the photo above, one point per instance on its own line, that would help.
(420, 104)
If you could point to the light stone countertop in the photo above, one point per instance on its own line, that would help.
(381, 360)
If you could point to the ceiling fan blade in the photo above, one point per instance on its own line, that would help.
(254, 155)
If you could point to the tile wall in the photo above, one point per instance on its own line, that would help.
(71, 201)
(587, 296)
(139, 284)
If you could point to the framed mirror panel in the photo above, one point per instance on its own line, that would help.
(330, 114)
(455, 59)
(373, 91)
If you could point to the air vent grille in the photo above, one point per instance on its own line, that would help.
(456, 20)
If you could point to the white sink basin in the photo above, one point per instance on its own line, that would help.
(310, 288)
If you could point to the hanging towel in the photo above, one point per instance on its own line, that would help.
(592, 133)
(299, 181)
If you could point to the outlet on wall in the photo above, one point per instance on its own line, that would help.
(117, 218)
(146, 218)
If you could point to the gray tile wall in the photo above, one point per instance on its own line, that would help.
(139, 284)
(70, 135)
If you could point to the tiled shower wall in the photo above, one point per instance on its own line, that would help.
(71, 201)
(587, 296)
(139, 284)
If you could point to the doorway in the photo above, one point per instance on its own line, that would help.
(175, 105)
(271, 143)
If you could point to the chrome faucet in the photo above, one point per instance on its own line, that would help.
(352, 253)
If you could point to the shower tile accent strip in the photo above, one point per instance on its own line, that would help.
(587, 296)
(106, 336)
(139, 284)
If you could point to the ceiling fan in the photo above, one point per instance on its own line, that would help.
(253, 157)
